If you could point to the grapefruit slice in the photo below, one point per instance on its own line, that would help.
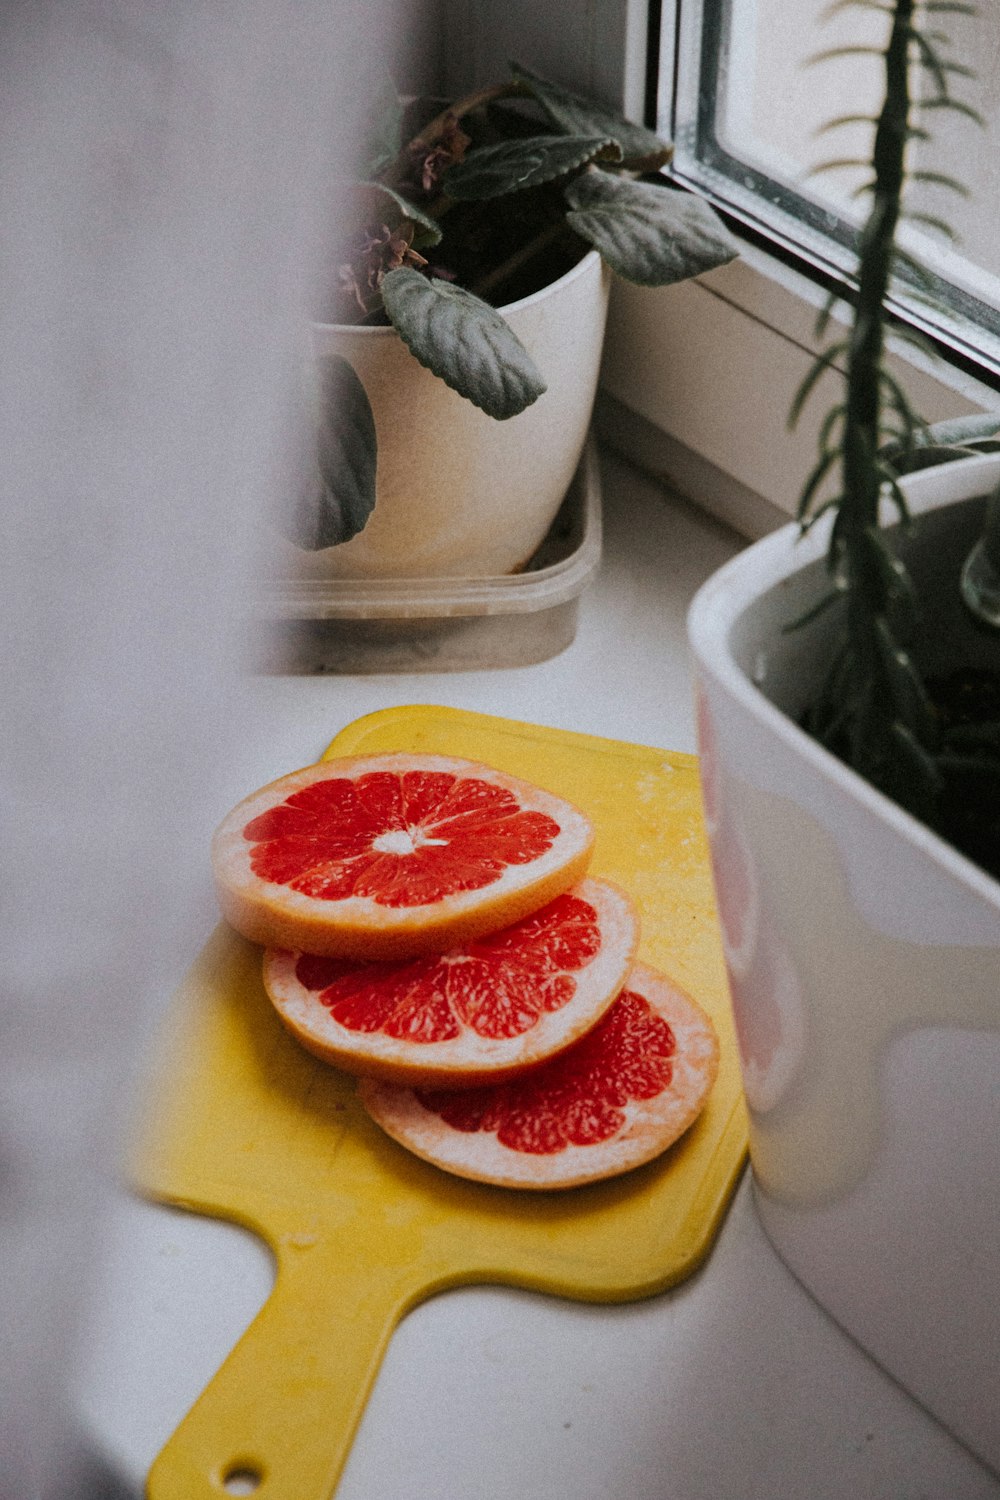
(616, 1099)
(487, 1010)
(393, 856)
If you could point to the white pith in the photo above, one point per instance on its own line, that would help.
(404, 841)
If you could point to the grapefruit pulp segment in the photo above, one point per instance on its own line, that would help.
(617, 1098)
(490, 1009)
(393, 856)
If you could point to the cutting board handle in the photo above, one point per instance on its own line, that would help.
(277, 1421)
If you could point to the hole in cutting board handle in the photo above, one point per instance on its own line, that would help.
(242, 1479)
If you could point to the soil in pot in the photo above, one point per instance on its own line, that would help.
(959, 662)
(967, 705)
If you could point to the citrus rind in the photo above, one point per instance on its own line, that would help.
(534, 981)
(649, 1126)
(526, 848)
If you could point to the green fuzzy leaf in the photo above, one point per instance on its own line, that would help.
(336, 505)
(573, 114)
(963, 430)
(941, 442)
(649, 234)
(383, 126)
(509, 166)
(929, 458)
(429, 229)
(464, 341)
(980, 580)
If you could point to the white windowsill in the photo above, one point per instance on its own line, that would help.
(700, 378)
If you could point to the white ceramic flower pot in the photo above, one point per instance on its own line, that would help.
(459, 494)
(864, 960)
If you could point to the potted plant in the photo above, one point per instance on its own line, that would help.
(848, 681)
(456, 369)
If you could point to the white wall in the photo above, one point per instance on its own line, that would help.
(596, 46)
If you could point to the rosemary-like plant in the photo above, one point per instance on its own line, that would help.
(873, 708)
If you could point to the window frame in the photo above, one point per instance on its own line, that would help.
(970, 343)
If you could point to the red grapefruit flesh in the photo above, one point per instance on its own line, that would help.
(393, 856)
(490, 1009)
(616, 1099)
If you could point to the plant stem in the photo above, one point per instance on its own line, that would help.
(499, 274)
(856, 531)
(436, 128)
(864, 398)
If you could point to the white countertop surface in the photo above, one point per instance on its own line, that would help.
(732, 1387)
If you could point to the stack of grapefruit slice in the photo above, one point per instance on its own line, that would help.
(430, 927)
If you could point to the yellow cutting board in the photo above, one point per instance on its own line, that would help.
(245, 1125)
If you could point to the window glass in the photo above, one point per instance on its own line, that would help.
(751, 115)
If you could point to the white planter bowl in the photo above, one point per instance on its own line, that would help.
(864, 960)
(459, 494)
